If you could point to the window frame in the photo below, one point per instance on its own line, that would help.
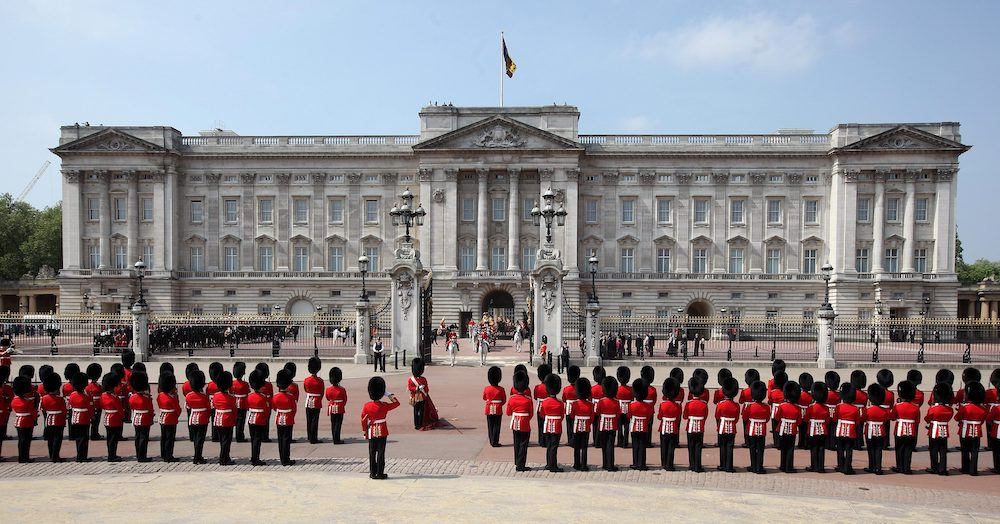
(268, 209)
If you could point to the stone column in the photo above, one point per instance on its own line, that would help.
(140, 331)
(212, 220)
(984, 309)
(159, 221)
(407, 273)
(908, 220)
(248, 221)
(133, 216)
(282, 223)
(354, 217)
(944, 225)
(450, 258)
(33, 305)
(317, 223)
(571, 232)
(878, 223)
(172, 234)
(425, 234)
(362, 330)
(547, 283)
(482, 242)
(105, 239)
(72, 218)
(825, 338)
(514, 221)
(756, 220)
(593, 352)
(793, 219)
(720, 223)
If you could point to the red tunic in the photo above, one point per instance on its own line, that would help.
(816, 418)
(94, 391)
(991, 398)
(25, 412)
(141, 405)
(597, 392)
(284, 405)
(970, 419)
(540, 394)
(6, 396)
(67, 390)
(225, 410)
(211, 389)
(906, 415)
(81, 408)
(113, 412)
(197, 403)
(832, 401)
(775, 397)
(239, 391)
(703, 397)
(415, 384)
(267, 390)
(494, 398)
(258, 409)
(695, 411)
(186, 388)
(336, 398)
(718, 396)
(993, 421)
(745, 397)
(54, 409)
(890, 399)
(788, 416)
(607, 412)
(847, 418)
(581, 414)
(568, 396)
(669, 415)
(640, 416)
(727, 413)
(526, 392)
(624, 397)
(938, 417)
(918, 398)
(313, 387)
(293, 390)
(519, 410)
(756, 415)
(552, 411)
(170, 409)
(875, 418)
(373, 418)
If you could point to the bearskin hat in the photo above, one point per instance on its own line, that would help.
(224, 381)
(21, 385)
(128, 358)
(639, 389)
(52, 383)
(876, 394)
(670, 388)
(520, 368)
(971, 375)
(777, 365)
(27, 371)
(4, 374)
(624, 375)
(975, 393)
(722, 375)
(944, 376)
(599, 373)
(493, 375)
(167, 382)
(696, 386)
(291, 368)
(417, 367)
(110, 381)
(336, 375)
(758, 391)
(197, 380)
(995, 378)
(819, 392)
(730, 387)
(70, 371)
(190, 368)
(678, 375)
(376, 387)
(792, 391)
(858, 379)
(848, 393)
(256, 379)
(915, 377)
(553, 384)
(806, 382)
(118, 369)
(701, 374)
(572, 373)
(43, 371)
(520, 380)
(314, 365)
(139, 381)
(610, 387)
(167, 367)
(884, 378)
(239, 369)
(94, 371)
(283, 379)
(780, 379)
(264, 369)
(647, 374)
(906, 391)
(751, 376)
(139, 366)
(79, 382)
(832, 380)
(582, 387)
(943, 393)
(214, 369)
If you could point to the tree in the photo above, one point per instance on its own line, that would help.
(29, 238)
(43, 247)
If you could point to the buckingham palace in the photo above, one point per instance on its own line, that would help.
(235, 224)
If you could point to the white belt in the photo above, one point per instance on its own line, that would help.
(140, 411)
(496, 402)
(198, 410)
(289, 411)
(314, 394)
(223, 411)
(240, 396)
(815, 426)
(966, 424)
(81, 410)
(108, 411)
(379, 421)
(578, 419)
(724, 421)
(786, 426)
(871, 428)
(905, 423)
(936, 426)
(22, 414)
(338, 401)
(255, 410)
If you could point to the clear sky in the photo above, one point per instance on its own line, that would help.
(367, 67)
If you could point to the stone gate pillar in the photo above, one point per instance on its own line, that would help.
(824, 338)
(407, 273)
(547, 283)
(593, 351)
(140, 330)
(362, 331)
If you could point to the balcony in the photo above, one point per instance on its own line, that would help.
(284, 275)
(499, 275)
(212, 144)
(705, 276)
(803, 142)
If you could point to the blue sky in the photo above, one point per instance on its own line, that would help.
(367, 67)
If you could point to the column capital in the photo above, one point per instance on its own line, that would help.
(756, 177)
(425, 174)
(573, 173)
(283, 178)
(720, 177)
(545, 174)
(102, 175)
(72, 176)
(451, 174)
(946, 174)
(911, 175)
(514, 173)
(353, 178)
(483, 173)
(318, 178)
(248, 179)
(882, 174)
(851, 175)
(213, 178)
(389, 177)
(609, 178)
(793, 178)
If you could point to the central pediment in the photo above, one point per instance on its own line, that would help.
(109, 140)
(498, 133)
(903, 138)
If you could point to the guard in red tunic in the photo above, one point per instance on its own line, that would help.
(993, 426)
(6, 396)
(695, 415)
(719, 395)
(727, 414)
(669, 415)
(832, 381)
(756, 414)
(122, 391)
(81, 409)
(906, 413)
(969, 375)
(224, 419)
(240, 391)
(268, 391)
(519, 409)
(970, 417)
(581, 417)
(94, 389)
(775, 396)
(25, 413)
(648, 375)
(885, 378)
(640, 418)
(937, 419)
(817, 419)
(258, 415)
(336, 398)
(54, 410)
(805, 400)
(568, 396)
(992, 401)
(701, 375)
(596, 394)
(284, 405)
(553, 411)
(211, 389)
(313, 387)
(606, 416)
(170, 414)
(114, 414)
(751, 376)
(776, 366)
(678, 375)
(915, 377)
(788, 416)
(374, 425)
(419, 392)
(494, 398)
(625, 397)
(141, 403)
(947, 377)
(293, 388)
(846, 422)
(199, 417)
(875, 417)
(540, 394)
(860, 381)
(520, 368)
(70, 371)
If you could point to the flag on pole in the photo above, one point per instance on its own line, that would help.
(509, 64)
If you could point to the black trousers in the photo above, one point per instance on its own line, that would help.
(580, 449)
(379, 361)
(53, 438)
(336, 423)
(541, 424)
(552, 450)
(859, 441)
(198, 434)
(168, 435)
(95, 424)
(285, 444)
(418, 415)
(569, 429)
(904, 453)
(970, 455)
(831, 438)
(241, 425)
(727, 441)
(939, 454)
(639, 450)
(114, 436)
(875, 447)
(493, 429)
(24, 443)
(623, 431)
(786, 446)
(214, 431)
(756, 445)
(803, 441)
(994, 444)
(594, 431)
(695, 443)
(668, 447)
(606, 441)
(312, 425)
(225, 434)
(141, 442)
(81, 432)
(256, 438)
(376, 456)
(817, 452)
(521, 439)
(845, 454)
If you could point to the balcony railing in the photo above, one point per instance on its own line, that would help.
(704, 276)
(810, 141)
(491, 274)
(279, 274)
(298, 141)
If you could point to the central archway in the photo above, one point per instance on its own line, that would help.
(301, 307)
(696, 312)
(500, 305)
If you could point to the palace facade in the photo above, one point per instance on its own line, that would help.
(232, 224)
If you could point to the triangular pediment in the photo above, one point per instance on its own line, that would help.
(230, 239)
(628, 239)
(334, 239)
(812, 239)
(904, 138)
(664, 239)
(701, 239)
(109, 140)
(738, 239)
(264, 238)
(775, 240)
(371, 239)
(592, 239)
(498, 133)
(301, 238)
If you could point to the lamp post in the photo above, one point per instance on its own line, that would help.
(363, 268)
(827, 270)
(405, 215)
(824, 328)
(592, 264)
(140, 273)
(548, 212)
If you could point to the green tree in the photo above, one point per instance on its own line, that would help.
(43, 247)
(16, 221)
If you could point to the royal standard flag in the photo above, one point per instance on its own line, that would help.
(509, 64)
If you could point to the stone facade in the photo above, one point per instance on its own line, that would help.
(238, 224)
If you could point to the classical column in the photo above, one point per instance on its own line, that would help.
(908, 219)
(793, 220)
(720, 221)
(133, 216)
(71, 209)
(842, 220)
(212, 219)
(159, 220)
(317, 223)
(944, 222)
(425, 234)
(354, 217)
(878, 223)
(513, 221)
(984, 309)
(282, 222)
(450, 216)
(482, 242)
(571, 232)
(105, 240)
(248, 201)
(32, 304)
(171, 233)
(756, 220)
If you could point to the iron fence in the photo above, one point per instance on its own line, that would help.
(67, 333)
(917, 339)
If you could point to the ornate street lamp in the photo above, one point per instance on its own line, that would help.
(140, 273)
(827, 270)
(363, 268)
(277, 310)
(548, 212)
(592, 263)
(405, 215)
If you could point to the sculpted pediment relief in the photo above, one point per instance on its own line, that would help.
(904, 138)
(109, 140)
(497, 133)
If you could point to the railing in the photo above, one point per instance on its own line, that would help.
(706, 276)
(809, 141)
(67, 333)
(299, 141)
(897, 276)
(490, 274)
(279, 274)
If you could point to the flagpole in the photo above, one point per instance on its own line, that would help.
(503, 66)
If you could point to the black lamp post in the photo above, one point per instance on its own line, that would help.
(140, 273)
(363, 268)
(548, 212)
(827, 270)
(592, 263)
(405, 215)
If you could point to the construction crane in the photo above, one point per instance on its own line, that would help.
(34, 181)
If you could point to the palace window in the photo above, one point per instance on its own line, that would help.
(498, 258)
(663, 210)
(301, 209)
(371, 211)
(920, 210)
(773, 264)
(336, 256)
(920, 260)
(627, 260)
(628, 211)
(197, 258)
(468, 209)
(736, 257)
(528, 254)
(892, 210)
(197, 211)
(773, 211)
(232, 258)
(499, 208)
(809, 261)
(147, 209)
(862, 263)
(891, 261)
(699, 262)
(93, 209)
(232, 210)
(811, 211)
(147, 255)
(590, 211)
(701, 211)
(265, 258)
(121, 256)
(864, 209)
(663, 260)
(300, 259)
(372, 253)
(336, 211)
(121, 209)
(526, 205)
(736, 215)
(230, 309)
(265, 211)
(466, 257)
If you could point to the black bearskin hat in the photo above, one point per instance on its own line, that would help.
(239, 370)
(283, 379)
(264, 369)
(376, 387)
(730, 387)
(832, 380)
(624, 375)
(758, 391)
(128, 358)
(639, 389)
(582, 387)
(167, 382)
(70, 371)
(52, 383)
(79, 382)
(197, 380)
(780, 379)
(968, 375)
(678, 375)
(139, 381)
(610, 387)
(43, 371)
(876, 394)
(336, 375)
(520, 368)
(520, 380)
(314, 365)
(110, 381)
(858, 379)
(256, 380)
(214, 369)
(190, 368)
(21, 385)
(553, 384)
(723, 374)
(599, 374)
(701, 374)
(995, 378)
(946, 376)
(167, 367)
(884, 378)
(291, 368)
(751, 376)
(647, 374)
(139, 366)
(117, 369)
(26, 371)
(806, 382)
(915, 377)
(417, 367)
(819, 392)
(847, 393)
(670, 388)
(94, 371)
(493, 375)
(943, 393)
(906, 391)
(696, 386)
(224, 381)
(4, 374)
(975, 393)
(777, 365)
(792, 391)
(572, 374)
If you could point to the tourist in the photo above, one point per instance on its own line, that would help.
(378, 355)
